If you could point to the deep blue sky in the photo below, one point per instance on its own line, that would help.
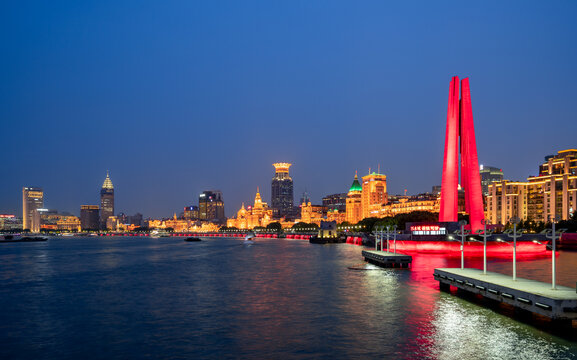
(176, 97)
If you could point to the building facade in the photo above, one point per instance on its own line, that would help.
(541, 198)
(257, 215)
(282, 197)
(374, 194)
(489, 175)
(90, 217)
(354, 210)
(211, 206)
(336, 201)
(106, 201)
(32, 200)
(407, 204)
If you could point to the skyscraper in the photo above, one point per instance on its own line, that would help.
(106, 201)
(32, 199)
(211, 206)
(489, 175)
(460, 124)
(282, 197)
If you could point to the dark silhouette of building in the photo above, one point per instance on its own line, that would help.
(89, 217)
(282, 197)
(106, 201)
(211, 206)
(336, 201)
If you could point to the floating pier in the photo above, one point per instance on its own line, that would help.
(530, 295)
(387, 259)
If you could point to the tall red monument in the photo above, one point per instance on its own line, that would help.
(460, 124)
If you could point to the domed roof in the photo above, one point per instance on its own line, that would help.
(356, 186)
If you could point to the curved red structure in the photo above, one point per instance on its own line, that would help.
(460, 124)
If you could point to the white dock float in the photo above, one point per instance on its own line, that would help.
(387, 259)
(530, 295)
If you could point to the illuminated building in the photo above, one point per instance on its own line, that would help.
(374, 194)
(191, 213)
(50, 220)
(460, 124)
(336, 201)
(312, 214)
(541, 198)
(68, 223)
(211, 206)
(354, 211)
(106, 201)
(282, 190)
(10, 222)
(489, 175)
(407, 204)
(257, 215)
(32, 199)
(336, 215)
(90, 217)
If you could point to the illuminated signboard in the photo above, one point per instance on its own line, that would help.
(428, 230)
(3, 216)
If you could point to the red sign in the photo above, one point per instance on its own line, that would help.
(7, 216)
(425, 228)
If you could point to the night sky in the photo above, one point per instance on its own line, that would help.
(177, 97)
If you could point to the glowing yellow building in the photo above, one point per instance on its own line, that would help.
(311, 214)
(408, 204)
(374, 194)
(354, 212)
(257, 215)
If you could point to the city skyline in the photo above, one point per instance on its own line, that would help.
(143, 89)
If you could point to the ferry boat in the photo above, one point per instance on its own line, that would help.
(159, 233)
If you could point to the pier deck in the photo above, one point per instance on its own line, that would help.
(387, 259)
(530, 295)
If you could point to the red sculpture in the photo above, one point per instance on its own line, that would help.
(460, 123)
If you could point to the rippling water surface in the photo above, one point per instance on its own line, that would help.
(95, 298)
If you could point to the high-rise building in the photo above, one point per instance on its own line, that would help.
(282, 197)
(106, 201)
(489, 175)
(190, 212)
(32, 199)
(374, 194)
(336, 201)
(542, 198)
(460, 125)
(211, 206)
(354, 207)
(89, 217)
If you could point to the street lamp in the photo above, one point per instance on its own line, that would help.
(462, 233)
(395, 238)
(516, 234)
(485, 234)
(388, 234)
(552, 235)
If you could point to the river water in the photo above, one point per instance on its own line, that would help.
(134, 298)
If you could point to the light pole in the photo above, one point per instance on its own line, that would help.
(462, 234)
(388, 234)
(486, 233)
(395, 238)
(553, 236)
(515, 220)
(376, 233)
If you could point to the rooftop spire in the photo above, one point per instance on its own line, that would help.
(107, 182)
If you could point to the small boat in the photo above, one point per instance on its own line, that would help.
(249, 238)
(159, 233)
(191, 239)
